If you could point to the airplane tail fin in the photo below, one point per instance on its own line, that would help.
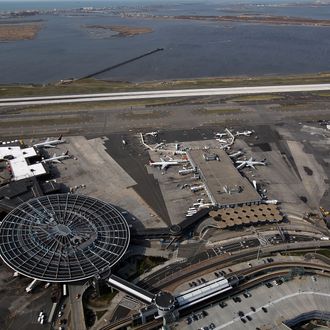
(60, 137)
(66, 153)
(54, 155)
(150, 162)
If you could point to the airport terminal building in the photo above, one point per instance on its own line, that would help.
(223, 183)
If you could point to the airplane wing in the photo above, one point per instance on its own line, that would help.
(49, 146)
(162, 160)
(164, 166)
(56, 161)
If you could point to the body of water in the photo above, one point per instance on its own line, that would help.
(192, 49)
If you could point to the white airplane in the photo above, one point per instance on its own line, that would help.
(57, 159)
(166, 163)
(249, 163)
(154, 134)
(236, 154)
(222, 140)
(220, 135)
(49, 143)
(246, 133)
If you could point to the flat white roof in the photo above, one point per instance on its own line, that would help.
(17, 152)
(19, 166)
(21, 170)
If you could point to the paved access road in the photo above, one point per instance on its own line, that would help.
(76, 306)
(162, 94)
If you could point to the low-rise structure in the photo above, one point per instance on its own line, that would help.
(18, 163)
(225, 186)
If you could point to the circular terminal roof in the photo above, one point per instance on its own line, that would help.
(63, 238)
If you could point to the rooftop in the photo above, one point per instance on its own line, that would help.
(224, 184)
(246, 215)
(63, 238)
(17, 159)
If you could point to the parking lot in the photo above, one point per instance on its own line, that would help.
(264, 307)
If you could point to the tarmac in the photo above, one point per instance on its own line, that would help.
(293, 143)
(93, 172)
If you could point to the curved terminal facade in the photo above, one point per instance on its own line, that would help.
(63, 238)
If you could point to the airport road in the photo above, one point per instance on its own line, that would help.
(183, 272)
(76, 306)
(223, 252)
(162, 94)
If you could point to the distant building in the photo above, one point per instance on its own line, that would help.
(22, 176)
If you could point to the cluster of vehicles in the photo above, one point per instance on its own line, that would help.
(208, 327)
(244, 317)
(196, 316)
(41, 317)
(274, 282)
(220, 273)
(197, 282)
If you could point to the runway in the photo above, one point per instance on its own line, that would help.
(58, 99)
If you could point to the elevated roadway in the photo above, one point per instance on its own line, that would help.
(76, 306)
(285, 269)
(59, 99)
(165, 279)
